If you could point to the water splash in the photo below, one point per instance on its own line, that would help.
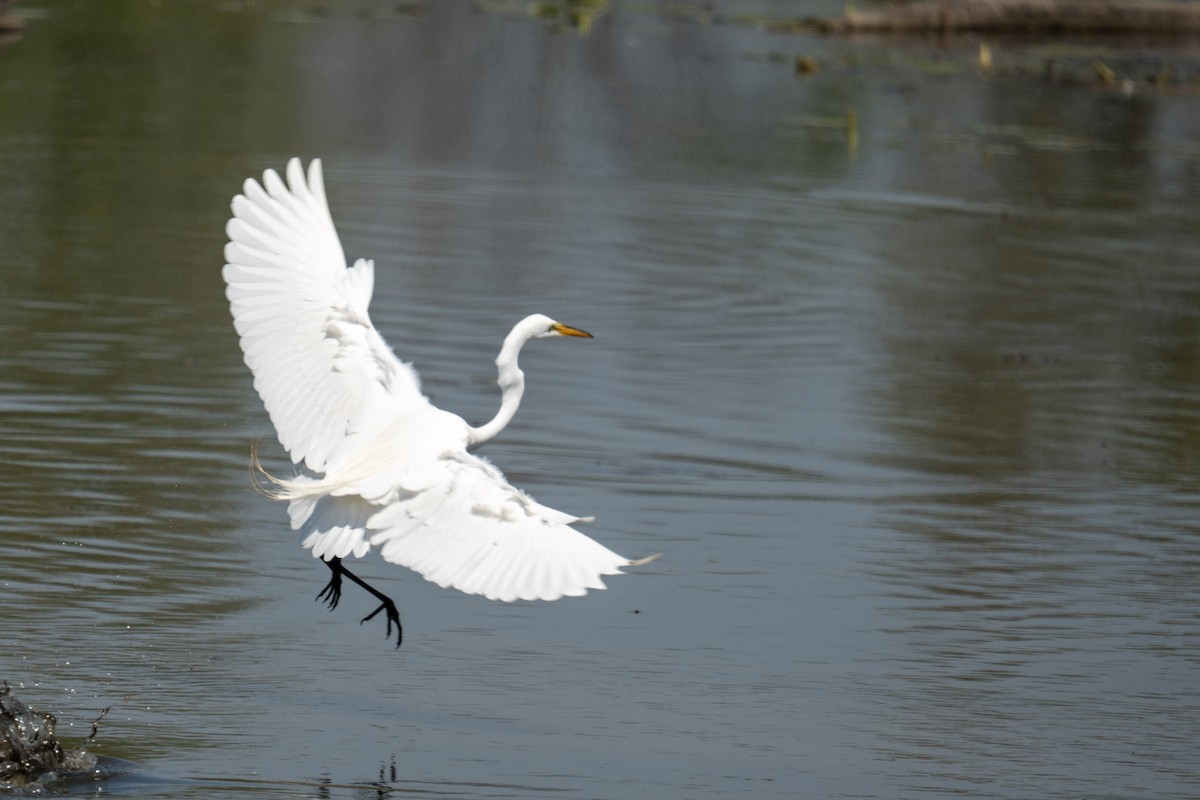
(32, 760)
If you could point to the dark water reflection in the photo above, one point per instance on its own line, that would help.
(915, 422)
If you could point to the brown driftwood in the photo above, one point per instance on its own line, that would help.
(1025, 16)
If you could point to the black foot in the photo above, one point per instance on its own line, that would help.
(332, 593)
(393, 616)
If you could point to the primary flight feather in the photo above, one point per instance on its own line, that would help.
(381, 468)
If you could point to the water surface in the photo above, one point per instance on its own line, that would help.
(912, 416)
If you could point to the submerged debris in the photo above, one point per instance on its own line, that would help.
(31, 756)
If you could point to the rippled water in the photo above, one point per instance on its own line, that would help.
(914, 419)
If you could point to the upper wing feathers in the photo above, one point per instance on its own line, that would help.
(318, 361)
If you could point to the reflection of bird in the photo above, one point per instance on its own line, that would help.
(383, 467)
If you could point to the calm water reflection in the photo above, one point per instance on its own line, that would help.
(916, 425)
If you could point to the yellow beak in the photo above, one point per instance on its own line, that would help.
(567, 330)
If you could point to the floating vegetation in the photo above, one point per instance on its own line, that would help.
(1104, 71)
(841, 126)
(578, 15)
(1089, 66)
(805, 65)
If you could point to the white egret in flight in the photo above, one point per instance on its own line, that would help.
(382, 468)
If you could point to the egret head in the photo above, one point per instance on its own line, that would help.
(538, 326)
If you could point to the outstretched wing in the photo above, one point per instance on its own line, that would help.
(318, 362)
(460, 524)
(476, 532)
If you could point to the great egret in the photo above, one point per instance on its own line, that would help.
(383, 468)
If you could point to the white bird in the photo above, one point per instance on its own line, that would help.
(382, 468)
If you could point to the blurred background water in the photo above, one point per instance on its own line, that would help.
(896, 362)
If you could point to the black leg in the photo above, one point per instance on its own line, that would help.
(332, 593)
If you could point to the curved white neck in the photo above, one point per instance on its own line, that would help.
(512, 388)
